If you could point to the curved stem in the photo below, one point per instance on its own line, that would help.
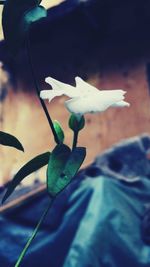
(38, 92)
(33, 235)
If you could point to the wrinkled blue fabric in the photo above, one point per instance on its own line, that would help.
(96, 223)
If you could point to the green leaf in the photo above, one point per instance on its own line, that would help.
(16, 14)
(30, 167)
(10, 140)
(76, 123)
(75, 161)
(57, 161)
(59, 131)
(60, 174)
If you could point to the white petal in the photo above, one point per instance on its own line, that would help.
(121, 104)
(77, 106)
(103, 99)
(111, 93)
(86, 104)
(65, 88)
(95, 102)
(49, 94)
(85, 98)
(84, 87)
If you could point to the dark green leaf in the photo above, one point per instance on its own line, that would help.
(76, 123)
(57, 161)
(75, 161)
(17, 13)
(72, 166)
(68, 167)
(30, 167)
(10, 140)
(59, 131)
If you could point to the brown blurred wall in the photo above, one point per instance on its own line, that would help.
(24, 118)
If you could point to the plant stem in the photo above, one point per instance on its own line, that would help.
(38, 92)
(75, 139)
(33, 235)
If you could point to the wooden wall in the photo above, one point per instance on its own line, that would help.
(23, 117)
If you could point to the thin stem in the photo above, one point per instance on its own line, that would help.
(75, 139)
(38, 93)
(33, 235)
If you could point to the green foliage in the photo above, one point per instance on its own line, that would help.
(33, 165)
(74, 162)
(10, 140)
(62, 167)
(16, 19)
(57, 161)
(59, 131)
(76, 123)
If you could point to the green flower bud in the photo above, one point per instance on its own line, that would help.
(76, 122)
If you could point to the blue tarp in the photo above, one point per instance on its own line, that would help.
(94, 223)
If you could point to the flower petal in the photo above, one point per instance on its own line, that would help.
(111, 93)
(121, 104)
(66, 89)
(96, 102)
(84, 87)
(86, 104)
(77, 105)
(50, 94)
(85, 98)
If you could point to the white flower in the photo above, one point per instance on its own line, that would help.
(85, 98)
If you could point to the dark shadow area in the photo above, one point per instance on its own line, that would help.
(84, 37)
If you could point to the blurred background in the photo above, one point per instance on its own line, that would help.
(106, 43)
